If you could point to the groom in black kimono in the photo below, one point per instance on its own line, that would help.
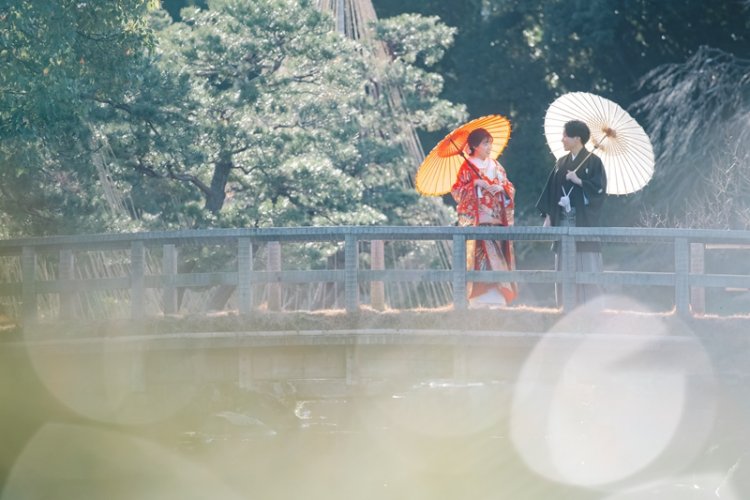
(573, 197)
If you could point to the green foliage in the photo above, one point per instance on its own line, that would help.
(60, 64)
(241, 114)
(288, 133)
(410, 37)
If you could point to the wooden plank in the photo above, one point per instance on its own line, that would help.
(626, 278)
(517, 276)
(11, 289)
(351, 281)
(169, 272)
(137, 271)
(316, 276)
(66, 276)
(273, 263)
(682, 271)
(407, 275)
(184, 280)
(460, 301)
(377, 263)
(697, 266)
(720, 280)
(568, 272)
(222, 236)
(244, 275)
(28, 285)
(87, 285)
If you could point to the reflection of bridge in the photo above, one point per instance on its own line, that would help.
(681, 268)
(315, 363)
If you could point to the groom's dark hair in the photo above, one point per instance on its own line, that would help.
(576, 128)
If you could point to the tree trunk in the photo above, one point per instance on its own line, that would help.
(215, 199)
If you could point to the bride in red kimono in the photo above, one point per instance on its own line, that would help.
(485, 198)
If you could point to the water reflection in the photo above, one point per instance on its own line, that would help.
(613, 415)
(330, 449)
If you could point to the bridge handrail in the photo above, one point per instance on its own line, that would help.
(339, 233)
(244, 276)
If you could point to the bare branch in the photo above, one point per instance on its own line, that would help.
(697, 116)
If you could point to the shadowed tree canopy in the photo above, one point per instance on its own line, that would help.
(699, 112)
(515, 57)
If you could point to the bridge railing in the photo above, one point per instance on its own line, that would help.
(687, 247)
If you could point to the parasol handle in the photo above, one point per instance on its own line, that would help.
(587, 157)
(608, 132)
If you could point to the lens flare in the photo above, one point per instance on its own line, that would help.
(601, 400)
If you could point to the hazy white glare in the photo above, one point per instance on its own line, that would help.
(601, 400)
(69, 461)
(444, 408)
(703, 487)
(105, 380)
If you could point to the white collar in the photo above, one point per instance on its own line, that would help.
(481, 163)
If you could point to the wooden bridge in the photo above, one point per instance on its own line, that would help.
(362, 369)
(318, 357)
(681, 269)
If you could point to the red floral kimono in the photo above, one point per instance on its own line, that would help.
(480, 207)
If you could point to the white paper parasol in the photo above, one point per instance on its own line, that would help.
(616, 138)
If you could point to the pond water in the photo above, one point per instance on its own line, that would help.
(599, 418)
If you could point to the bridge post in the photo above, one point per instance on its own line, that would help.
(66, 271)
(351, 281)
(459, 272)
(169, 271)
(698, 266)
(377, 263)
(274, 264)
(28, 284)
(244, 273)
(137, 282)
(682, 271)
(568, 268)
